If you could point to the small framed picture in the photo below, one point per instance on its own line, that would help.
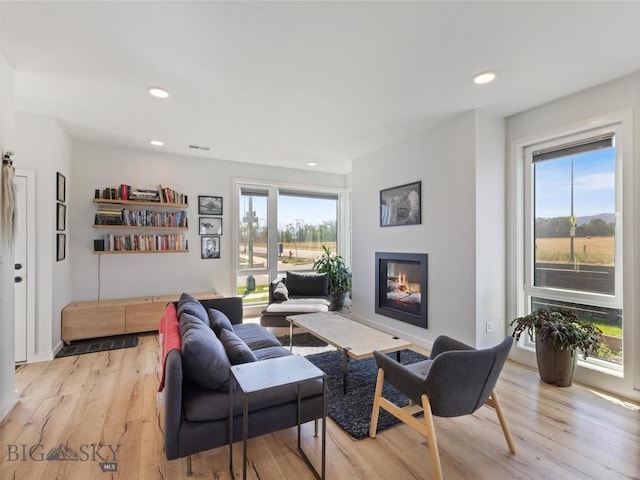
(401, 205)
(210, 246)
(210, 225)
(61, 188)
(209, 205)
(61, 246)
(61, 217)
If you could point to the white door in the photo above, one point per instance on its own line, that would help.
(20, 269)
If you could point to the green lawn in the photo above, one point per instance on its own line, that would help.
(610, 330)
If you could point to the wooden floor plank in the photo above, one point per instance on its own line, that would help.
(106, 399)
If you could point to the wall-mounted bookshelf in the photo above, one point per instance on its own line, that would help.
(126, 214)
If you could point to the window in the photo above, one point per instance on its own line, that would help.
(281, 229)
(573, 252)
(306, 222)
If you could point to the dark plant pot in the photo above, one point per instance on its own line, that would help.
(555, 366)
(337, 301)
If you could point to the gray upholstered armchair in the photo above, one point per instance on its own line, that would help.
(456, 380)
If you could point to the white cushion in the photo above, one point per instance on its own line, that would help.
(307, 301)
(288, 307)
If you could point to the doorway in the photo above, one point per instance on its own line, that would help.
(24, 266)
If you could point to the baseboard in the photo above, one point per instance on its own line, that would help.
(57, 348)
(45, 356)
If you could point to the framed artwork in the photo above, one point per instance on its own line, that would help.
(208, 205)
(210, 225)
(61, 246)
(401, 205)
(210, 246)
(61, 217)
(61, 188)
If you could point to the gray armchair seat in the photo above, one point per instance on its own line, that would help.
(456, 380)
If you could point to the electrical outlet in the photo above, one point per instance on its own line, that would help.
(490, 327)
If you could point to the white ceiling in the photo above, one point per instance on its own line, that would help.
(285, 83)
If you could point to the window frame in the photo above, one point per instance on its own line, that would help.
(573, 296)
(626, 380)
(273, 189)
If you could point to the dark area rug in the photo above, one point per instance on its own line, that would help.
(353, 410)
(98, 345)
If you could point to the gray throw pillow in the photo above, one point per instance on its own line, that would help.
(308, 284)
(280, 292)
(237, 351)
(189, 304)
(204, 359)
(219, 321)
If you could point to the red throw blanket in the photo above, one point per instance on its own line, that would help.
(170, 332)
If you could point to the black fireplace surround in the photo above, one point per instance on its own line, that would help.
(401, 287)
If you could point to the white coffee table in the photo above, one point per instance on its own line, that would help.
(355, 340)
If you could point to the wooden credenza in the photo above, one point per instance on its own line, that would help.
(82, 320)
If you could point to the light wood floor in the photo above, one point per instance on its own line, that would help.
(109, 398)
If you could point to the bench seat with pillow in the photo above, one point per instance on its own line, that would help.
(295, 294)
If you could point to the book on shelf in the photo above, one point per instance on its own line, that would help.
(126, 192)
(167, 195)
(144, 243)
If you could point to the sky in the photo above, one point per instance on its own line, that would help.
(311, 211)
(593, 185)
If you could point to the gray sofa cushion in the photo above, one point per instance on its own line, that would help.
(218, 321)
(204, 359)
(271, 352)
(308, 284)
(237, 351)
(255, 336)
(280, 292)
(201, 405)
(188, 304)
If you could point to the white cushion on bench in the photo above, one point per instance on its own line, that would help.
(292, 306)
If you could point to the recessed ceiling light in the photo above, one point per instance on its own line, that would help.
(484, 77)
(312, 164)
(158, 92)
(157, 143)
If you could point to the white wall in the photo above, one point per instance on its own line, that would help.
(44, 148)
(446, 160)
(490, 229)
(7, 328)
(619, 96)
(101, 166)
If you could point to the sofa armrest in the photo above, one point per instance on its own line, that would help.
(230, 306)
(172, 403)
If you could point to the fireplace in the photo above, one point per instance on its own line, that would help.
(401, 286)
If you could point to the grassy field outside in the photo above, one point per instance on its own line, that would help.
(309, 246)
(588, 250)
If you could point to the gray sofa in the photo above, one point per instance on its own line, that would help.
(297, 293)
(196, 415)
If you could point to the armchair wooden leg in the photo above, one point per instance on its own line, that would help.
(493, 402)
(189, 470)
(431, 436)
(373, 427)
(405, 415)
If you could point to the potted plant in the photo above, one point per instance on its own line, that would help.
(558, 334)
(339, 276)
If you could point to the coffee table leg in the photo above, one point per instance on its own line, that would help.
(291, 336)
(345, 369)
(398, 356)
